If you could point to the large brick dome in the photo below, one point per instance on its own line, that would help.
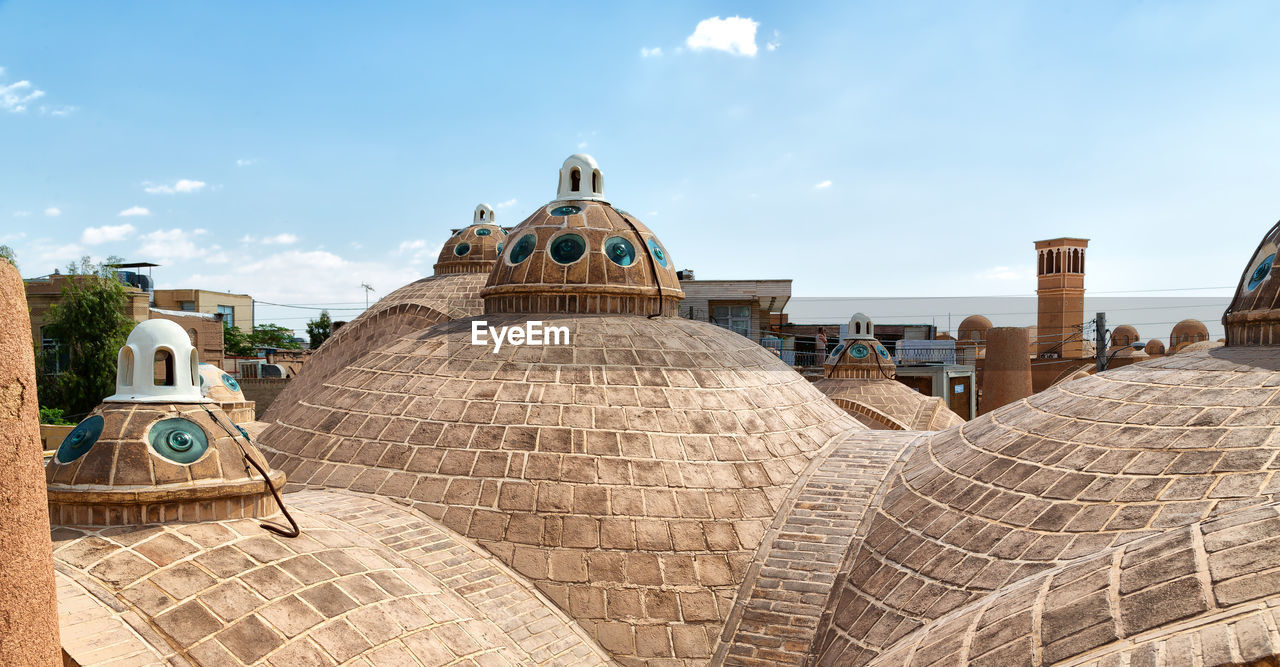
(629, 474)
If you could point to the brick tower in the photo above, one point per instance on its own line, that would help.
(1060, 288)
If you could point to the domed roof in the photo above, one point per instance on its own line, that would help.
(1086, 465)
(578, 254)
(155, 457)
(1123, 335)
(1185, 332)
(1252, 316)
(636, 461)
(219, 386)
(859, 358)
(1154, 347)
(973, 324)
(474, 248)
(366, 581)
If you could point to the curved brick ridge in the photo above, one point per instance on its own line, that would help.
(871, 400)
(405, 311)
(630, 475)
(1207, 590)
(363, 583)
(1078, 468)
(775, 616)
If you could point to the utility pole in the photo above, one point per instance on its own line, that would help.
(367, 288)
(1100, 331)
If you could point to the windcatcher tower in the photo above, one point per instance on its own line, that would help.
(1060, 290)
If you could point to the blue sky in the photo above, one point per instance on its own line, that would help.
(861, 149)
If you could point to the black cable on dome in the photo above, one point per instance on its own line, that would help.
(294, 530)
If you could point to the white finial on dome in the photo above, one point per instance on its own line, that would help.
(158, 365)
(861, 328)
(580, 178)
(483, 215)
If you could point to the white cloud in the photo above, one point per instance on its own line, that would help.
(822, 186)
(106, 233)
(505, 204)
(56, 254)
(183, 185)
(168, 245)
(773, 44)
(60, 110)
(132, 211)
(53, 211)
(5, 238)
(734, 35)
(582, 145)
(21, 214)
(650, 53)
(245, 161)
(15, 96)
(1006, 273)
(280, 239)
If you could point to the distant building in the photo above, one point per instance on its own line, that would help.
(744, 306)
(235, 309)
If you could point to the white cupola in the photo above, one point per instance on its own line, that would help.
(158, 365)
(483, 215)
(580, 178)
(861, 328)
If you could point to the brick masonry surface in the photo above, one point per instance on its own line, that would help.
(411, 308)
(1081, 468)
(368, 582)
(889, 404)
(1200, 594)
(631, 476)
(776, 614)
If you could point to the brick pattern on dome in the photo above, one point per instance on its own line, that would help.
(1081, 467)
(779, 604)
(407, 310)
(592, 284)
(229, 592)
(631, 475)
(892, 405)
(1252, 317)
(1206, 591)
(120, 480)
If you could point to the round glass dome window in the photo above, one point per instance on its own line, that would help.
(620, 251)
(230, 382)
(659, 255)
(565, 210)
(462, 249)
(835, 354)
(179, 440)
(484, 231)
(1261, 272)
(859, 351)
(567, 248)
(80, 439)
(522, 248)
(884, 354)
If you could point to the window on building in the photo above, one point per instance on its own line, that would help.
(733, 318)
(188, 306)
(228, 314)
(55, 356)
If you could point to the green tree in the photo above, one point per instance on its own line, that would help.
(320, 329)
(274, 335)
(90, 325)
(235, 342)
(7, 254)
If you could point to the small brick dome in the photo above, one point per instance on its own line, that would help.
(1123, 335)
(1186, 332)
(473, 248)
(973, 328)
(1154, 347)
